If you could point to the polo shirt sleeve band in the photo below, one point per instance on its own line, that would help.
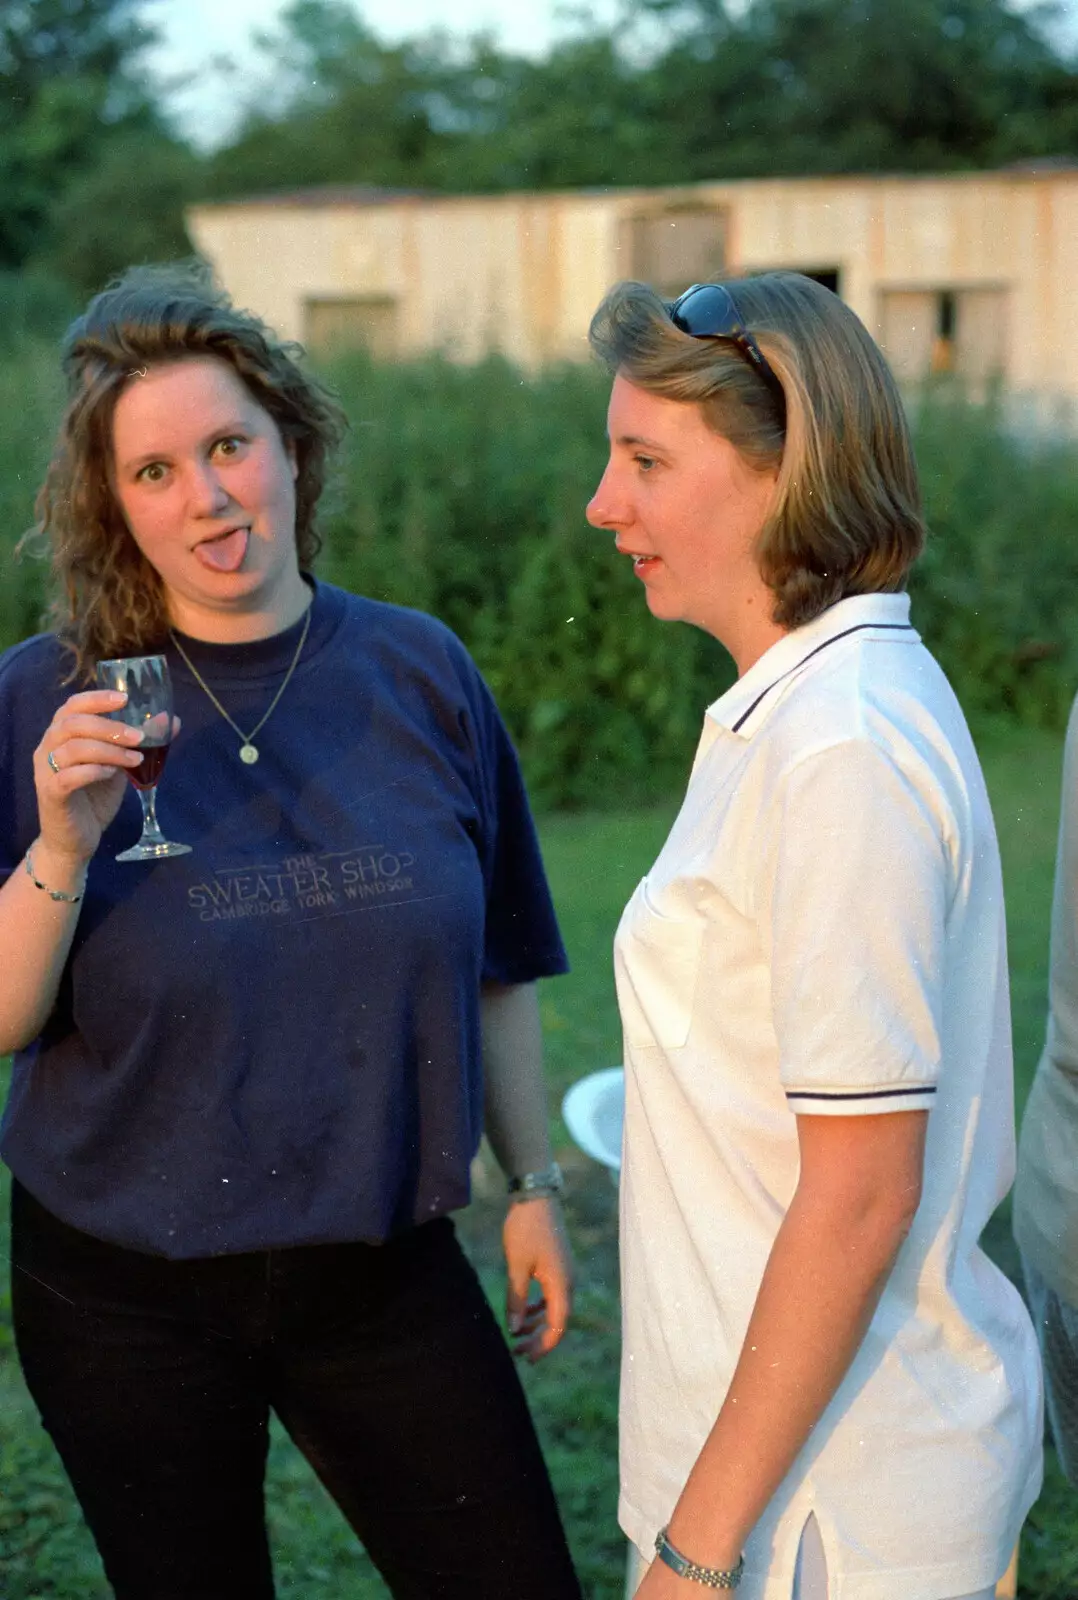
(856, 883)
(860, 1102)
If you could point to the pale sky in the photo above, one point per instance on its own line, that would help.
(207, 42)
(201, 36)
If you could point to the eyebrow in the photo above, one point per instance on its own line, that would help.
(638, 439)
(230, 427)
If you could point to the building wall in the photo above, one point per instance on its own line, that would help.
(971, 269)
(520, 274)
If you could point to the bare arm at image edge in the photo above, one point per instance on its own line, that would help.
(79, 775)
(35, 938)
(517, 1126)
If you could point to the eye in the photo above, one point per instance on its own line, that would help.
(152, 472)
(229, 446)
(645, 463)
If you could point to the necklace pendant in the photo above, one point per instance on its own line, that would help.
(248, 753)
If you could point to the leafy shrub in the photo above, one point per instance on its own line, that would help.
(29, 406)
(33, 305)
(996, 592)
(462, 491)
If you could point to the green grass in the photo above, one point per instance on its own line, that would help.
(594, 862)
(1023, 768)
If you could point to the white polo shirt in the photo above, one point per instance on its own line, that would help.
(823, 933)
(1046, 1193)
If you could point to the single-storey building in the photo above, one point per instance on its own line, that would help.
(973, 273)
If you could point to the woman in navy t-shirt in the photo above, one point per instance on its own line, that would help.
(249, 1081)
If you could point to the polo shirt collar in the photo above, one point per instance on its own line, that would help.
(736, 709)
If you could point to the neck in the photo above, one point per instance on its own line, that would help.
(241, 627)
(749, 630)
(749, 650)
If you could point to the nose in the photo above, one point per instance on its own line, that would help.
(208, 495)
(604, 509)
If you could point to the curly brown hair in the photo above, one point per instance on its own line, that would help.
(109, 600)
(846, 518)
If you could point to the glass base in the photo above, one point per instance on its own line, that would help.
(154, 852)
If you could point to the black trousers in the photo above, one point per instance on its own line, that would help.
(155, 1379)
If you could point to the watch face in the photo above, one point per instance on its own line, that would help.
(549, 1178)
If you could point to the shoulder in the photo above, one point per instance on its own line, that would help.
(890, 696)
(401, 624)
(406, 639)
(36, 667)
(32, 686)
(874, 721)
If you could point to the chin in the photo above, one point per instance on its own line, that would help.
(663, 609)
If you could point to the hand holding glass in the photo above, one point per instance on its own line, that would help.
(145, 681)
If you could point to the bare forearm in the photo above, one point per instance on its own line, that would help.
(816, 1299)
(536, 1246)
(35, 940)
(515, 1093)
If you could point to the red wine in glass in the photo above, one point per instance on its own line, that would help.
(145, 681)
(148, 772)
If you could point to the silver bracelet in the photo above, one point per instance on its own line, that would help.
(710, 1577)
(537, 1185)
(53, 894)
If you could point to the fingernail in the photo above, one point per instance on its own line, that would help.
(516, 1322)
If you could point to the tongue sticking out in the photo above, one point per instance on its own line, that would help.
(226, 553)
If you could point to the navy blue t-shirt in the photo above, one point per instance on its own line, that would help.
(275, 1040)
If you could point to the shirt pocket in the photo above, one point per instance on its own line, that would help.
(657, 964)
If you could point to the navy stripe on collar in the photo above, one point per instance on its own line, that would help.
(893, 627)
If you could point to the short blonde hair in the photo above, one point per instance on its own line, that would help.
(847, 517)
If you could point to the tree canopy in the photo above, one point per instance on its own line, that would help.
(71, 88)
(867, 85)
(92, 175)
(676, 89)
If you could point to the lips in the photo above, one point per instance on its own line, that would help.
(225, 552)
(642, 564)
(640, 560)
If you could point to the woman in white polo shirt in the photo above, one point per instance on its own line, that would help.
(827, 1387)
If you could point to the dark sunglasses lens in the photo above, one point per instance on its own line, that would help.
(706, 312)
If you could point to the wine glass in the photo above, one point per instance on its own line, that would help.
(146, 683)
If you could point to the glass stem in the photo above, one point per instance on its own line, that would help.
(151, 833)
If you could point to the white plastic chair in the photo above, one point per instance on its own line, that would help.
(594, 1111)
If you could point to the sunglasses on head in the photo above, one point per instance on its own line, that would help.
(709, 311)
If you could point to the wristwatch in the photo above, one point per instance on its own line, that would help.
(537, 1185)
(710, 1577)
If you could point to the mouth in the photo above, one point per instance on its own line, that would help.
(642, 562)
(224, 551)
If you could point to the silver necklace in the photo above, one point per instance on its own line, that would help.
(248, 748)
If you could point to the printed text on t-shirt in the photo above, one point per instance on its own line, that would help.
(307, 885)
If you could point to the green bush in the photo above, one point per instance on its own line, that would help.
(33, 305)
(996, 592)
(462, 491)
(29, 405)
